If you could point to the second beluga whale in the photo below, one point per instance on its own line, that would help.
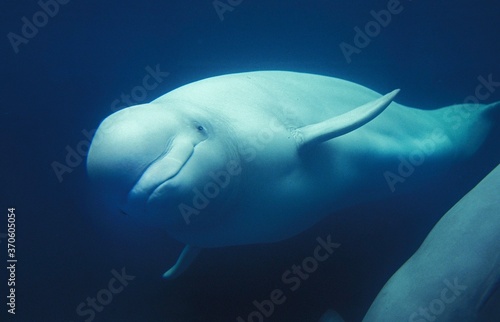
(259, 157)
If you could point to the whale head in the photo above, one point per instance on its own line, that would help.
(146, 159)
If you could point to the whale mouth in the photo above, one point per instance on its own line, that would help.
(158, 173)
(158, 186)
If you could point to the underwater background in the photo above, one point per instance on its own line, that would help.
(68, 64)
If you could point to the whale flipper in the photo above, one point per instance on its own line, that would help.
(187, 256)
(331, 316)
(345, 123)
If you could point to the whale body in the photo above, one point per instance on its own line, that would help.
(259, 157)
(455, 273)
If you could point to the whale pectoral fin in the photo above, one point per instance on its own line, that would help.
(342, 124)
(331, 316)
(187, 256)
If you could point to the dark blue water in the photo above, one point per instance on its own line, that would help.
(64, 71)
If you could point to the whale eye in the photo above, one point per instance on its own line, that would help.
(200, 128)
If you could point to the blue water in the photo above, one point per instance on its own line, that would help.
(60, 79)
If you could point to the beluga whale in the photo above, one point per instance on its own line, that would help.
(258, 157)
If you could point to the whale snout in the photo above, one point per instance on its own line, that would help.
(158, 173)
(135, 151)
